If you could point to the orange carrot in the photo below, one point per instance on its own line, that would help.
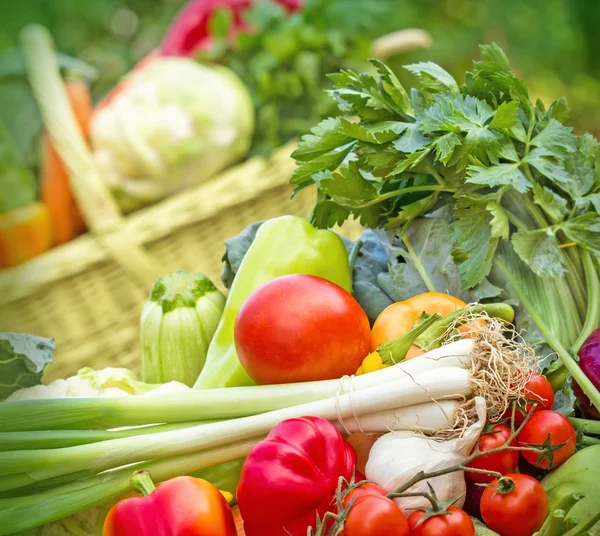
(55, 189)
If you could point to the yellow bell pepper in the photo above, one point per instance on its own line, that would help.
(24, 234)
(371, 363)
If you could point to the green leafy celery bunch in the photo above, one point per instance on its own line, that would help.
(520, 189)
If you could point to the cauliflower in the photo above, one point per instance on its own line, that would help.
(89, 383)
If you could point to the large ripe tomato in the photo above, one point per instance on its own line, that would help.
(399, 318)
(541, 425)
(456, 523)
(373, 514)
(300, 328)
(537, 388)
(520, 512)
(500, 462)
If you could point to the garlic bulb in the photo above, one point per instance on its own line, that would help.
(397, 456)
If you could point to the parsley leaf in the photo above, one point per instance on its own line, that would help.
(506, 116)
(556, 139)
(433, 78)
(499, 175)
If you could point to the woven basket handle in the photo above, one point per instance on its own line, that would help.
(395, 43)
(101, 212)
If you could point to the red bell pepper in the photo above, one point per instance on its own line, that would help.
(190, 30)
(291, 476)
(183, 506)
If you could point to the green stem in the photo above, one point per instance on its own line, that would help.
(141, 481)
(433, 172)
(418, 264)
(402, 191)
(587, 440)
(590, 427)
(592, 317)
(516, 221)
(432, 338)
(565, 356)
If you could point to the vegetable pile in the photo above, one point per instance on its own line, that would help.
(402, 384)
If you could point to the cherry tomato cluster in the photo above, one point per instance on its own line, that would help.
(517, 505)
(514, 505)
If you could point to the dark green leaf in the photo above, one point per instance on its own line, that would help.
(558, 140)
(593, 199)
(235, 250)
(394, 88)
(22, 361)
(378, 133)
(347, 187)
(472, 241)
(495, 69)
(499, 175)
(411, 161)
(431, 247)
(552, 203)
(479, 143)
(585, 230)
(559, 110)
(372, 260)
(325, 137)
(412, 211)
(412, 140)
(327, 213)
(303, 175)
(539, 250)
(499, 224)
(506, 116)
(433, 78)
(444, 146)
(541, 160)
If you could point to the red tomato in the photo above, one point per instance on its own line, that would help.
(300, 328)
(548, 423)
(373, 514)
(537, 388)
(456, 523)
(501, 462)
(520, 512)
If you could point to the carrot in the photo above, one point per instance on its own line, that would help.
(55, 189)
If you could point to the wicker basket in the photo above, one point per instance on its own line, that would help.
(88, 294)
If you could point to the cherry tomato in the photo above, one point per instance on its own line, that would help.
(537, 388)
(501, 462)
(399, 318)
(300, 328)
(519, 512)
(541, 425)
(456, 523)
(373, 514)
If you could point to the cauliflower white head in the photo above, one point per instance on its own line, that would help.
(172, 123)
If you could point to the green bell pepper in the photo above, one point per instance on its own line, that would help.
(282, 246)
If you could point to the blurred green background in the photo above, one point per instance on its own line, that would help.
(553, 44)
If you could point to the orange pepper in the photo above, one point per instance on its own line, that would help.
(399, 318)
(24, 234)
